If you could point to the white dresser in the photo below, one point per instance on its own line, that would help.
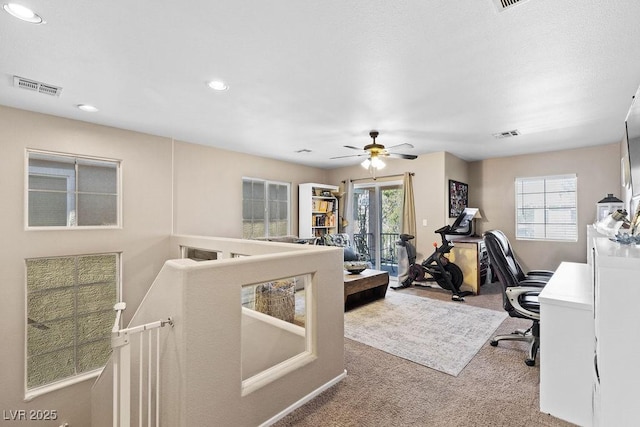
(590, 345)
(616, 360)
(566, 344)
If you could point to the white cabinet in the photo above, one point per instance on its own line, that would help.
(566, 344)
(317, 210)
(616, 367)
(590, 348)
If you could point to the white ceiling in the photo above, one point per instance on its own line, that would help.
(318, 75)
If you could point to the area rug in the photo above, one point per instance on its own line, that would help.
(438, 334)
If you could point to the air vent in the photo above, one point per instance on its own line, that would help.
(507, 134)
(503, 5)
(33, 85)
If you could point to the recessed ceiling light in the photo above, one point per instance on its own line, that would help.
(218, 85)
(88, 108)
(23, 13)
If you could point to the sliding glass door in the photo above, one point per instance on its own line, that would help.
(377, 216)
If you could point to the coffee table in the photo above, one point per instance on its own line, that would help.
(375, 280)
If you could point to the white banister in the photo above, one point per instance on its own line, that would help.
(122, 357)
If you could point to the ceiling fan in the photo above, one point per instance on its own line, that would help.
(375, 151)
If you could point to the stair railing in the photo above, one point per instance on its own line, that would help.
(122, 359)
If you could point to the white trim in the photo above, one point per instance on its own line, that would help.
(39, 391)
(76, 378)
(267, 219)
(75, 159)
(304, 400)
(544, 179)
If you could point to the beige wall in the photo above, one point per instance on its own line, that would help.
(142, 240)
(491, 188)
(207, 183)
(598, 172)
(432, 172)
(208, 188)
(205, 186)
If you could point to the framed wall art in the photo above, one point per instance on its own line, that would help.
(458, 197)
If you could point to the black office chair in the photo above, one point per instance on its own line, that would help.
(520, 290)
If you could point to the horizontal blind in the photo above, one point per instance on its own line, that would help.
(69, 191)
(546, 208)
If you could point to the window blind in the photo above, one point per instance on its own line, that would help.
(546, 208)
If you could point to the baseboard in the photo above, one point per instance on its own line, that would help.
(304, 400)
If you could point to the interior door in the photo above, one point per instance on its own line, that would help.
(376, 218)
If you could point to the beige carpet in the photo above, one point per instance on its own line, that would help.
(382, 390)
(441, 335)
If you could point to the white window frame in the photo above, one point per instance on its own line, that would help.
(570, 197)
(266, 206)
(33, 392)
(71, 179)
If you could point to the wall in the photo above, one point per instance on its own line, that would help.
(598, 172)
(430, 191)
(208, 200)
(208, 188)
(142, 240)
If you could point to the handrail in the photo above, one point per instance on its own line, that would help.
(365, 245)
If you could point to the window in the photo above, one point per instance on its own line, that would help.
(198, 254)
(69, 316)
(71, 191)
(546, 208)
(265, 208)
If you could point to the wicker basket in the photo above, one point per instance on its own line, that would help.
(277, 299)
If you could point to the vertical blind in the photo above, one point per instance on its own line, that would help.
(265, 208)
(546, 208)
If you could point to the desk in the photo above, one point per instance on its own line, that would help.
(470, 254)
(566, 344)
(375, 280)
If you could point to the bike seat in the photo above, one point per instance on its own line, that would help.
(406, 237)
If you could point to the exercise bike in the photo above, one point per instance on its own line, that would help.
(437, 267)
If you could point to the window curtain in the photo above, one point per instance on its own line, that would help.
(409, 208)
(347, 213)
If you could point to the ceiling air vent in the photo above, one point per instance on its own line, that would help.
(503, 5)
(507, 134)
(33, 85)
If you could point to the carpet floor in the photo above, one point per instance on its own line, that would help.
(496, 388)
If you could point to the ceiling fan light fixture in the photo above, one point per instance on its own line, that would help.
(23, 13)
(377, 163)
(373, 163)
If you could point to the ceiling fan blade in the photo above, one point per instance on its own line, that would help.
(402, 156)
(352, 147)
(403, 145)
(350, 155)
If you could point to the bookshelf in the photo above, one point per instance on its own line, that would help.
(318, 210)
